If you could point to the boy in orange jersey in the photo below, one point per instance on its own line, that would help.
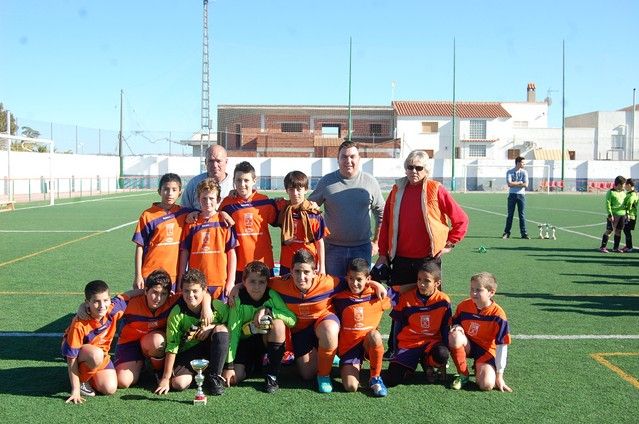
(208, 243)
(360, 312)
(157, 235)
(422, 318)
(480, 330)
(252, 213)
(144, 324)
(302, 224)
(86, 343)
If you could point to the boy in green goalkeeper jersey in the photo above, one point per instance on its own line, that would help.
(630, 205)
(616, 215)
(257, 324)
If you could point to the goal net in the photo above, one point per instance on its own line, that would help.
(15, 144)
(492, 178)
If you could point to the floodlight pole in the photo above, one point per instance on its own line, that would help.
(452, 153)
(120, 141)
(563, 112)
(9, 157)
(350, 62)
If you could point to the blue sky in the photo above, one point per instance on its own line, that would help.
(65, 61)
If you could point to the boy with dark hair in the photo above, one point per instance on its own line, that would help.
(252, 213)
(480, 330)
(616, 215)
(422, 317)
(187, 339)
(302, 224)
(360, 311)
(209, 243)
(157, 235)
(86, 343)
(257, 324)
(630, 205)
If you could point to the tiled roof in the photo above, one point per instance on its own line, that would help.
(445, 109)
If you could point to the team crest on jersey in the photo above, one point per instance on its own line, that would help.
(248, 222)
(358, 314)
(424, 321)
(169, 232)
(473, 329)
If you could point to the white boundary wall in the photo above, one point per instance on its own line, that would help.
(35, 165)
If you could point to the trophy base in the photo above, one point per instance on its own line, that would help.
(199, 400)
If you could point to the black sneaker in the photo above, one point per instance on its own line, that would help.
(270, 384)
(505, 236)
(525, 236)
(217, 385)
(388, 354)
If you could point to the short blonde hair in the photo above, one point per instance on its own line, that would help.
(486, 280)
(422, 157)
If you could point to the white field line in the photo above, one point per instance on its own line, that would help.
(385, 336)
(101, 199)
(566, 229)
(70, 231)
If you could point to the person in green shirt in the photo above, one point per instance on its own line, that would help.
(187, 338)
(257, 324)
(616, 215)
(630, 205)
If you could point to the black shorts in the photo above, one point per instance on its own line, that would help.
(183, 359)
(404, 270)
(630, 225)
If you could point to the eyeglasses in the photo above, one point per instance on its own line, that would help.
(415, 168)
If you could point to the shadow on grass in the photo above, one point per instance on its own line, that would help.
(599, 279)
(35, 381)
(31, 348)
(606, 306)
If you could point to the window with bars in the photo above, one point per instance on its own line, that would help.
(477, 129)
(477, 151)
(292, 126)
(375, 129)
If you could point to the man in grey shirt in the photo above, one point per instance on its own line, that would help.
(216, 161)
(349, 196)
(517, 180)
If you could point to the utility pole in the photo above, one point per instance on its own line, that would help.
(205, 125)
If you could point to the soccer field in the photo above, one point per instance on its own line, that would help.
(573, 312)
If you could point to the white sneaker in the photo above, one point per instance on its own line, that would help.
(86, 389)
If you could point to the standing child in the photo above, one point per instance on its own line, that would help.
(157, 235)
(302, 225)
(616, 215)
(422, 317)
(252, 213)
(360, 311)
(208, 243)
(480, 330)
(86, 343)
(187, 339)
(630, 205)
(257, 323)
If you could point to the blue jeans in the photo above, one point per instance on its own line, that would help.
(338, 257)
(518, 200)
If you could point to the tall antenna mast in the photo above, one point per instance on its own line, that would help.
(205, 122)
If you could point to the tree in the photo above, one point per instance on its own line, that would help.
(30, 132)
(3, 122)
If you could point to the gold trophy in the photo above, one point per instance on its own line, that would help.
(199, 365)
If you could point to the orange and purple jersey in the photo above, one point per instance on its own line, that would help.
(422, 320)
(91, 331)
(320, 230)
(138, 320)
(308, 307)
(208, 241)
(159, 232)
(486, 328)
(252, 218)
(359, 314)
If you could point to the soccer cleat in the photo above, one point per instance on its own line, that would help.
(525, 237)
(336, 361)
(86, 389)
(270, 384)
(603, 250)
(377, 386)
(217, 385)
(388, 354)
(324, 384)
(442, 373)
(459, 382)
(617, 250)
(627, 250)
(505, 236)
(288, 358)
